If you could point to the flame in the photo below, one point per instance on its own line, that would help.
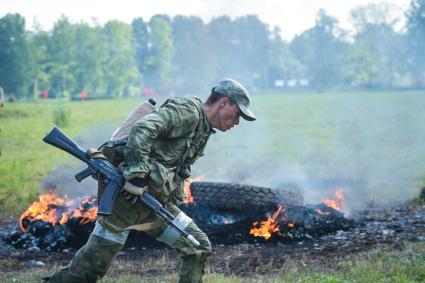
(44, 209)
(187, 192)
(87, 210)
(336, 203)
(55, 210)
(267, 227)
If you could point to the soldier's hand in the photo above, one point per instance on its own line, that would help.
(134, 188)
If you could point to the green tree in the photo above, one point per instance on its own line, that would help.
(416, 40)
(223, 35)
(38, 60)
(240, 49)
(160, 52)
(281, 63)
(377, 57)
(119, 67)
(252, 46)
(14, 56)
(321, 49)
(90, 55)
(140, 41)
(193, 65)
(62, 61)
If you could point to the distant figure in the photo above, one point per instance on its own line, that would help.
(12, 98)
(145, 91)
(1, 97)
(44, 93)
(84, 95)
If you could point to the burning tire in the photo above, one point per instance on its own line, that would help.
(227, 213)
(238, 197)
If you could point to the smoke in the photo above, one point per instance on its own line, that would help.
(371, 145)
(381, 142)
(62, 177)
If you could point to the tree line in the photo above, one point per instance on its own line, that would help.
(184, 55)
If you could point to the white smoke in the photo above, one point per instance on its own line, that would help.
(369, 145)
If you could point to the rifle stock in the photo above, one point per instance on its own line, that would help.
(59, 139)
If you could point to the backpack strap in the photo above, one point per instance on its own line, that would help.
(194, 143)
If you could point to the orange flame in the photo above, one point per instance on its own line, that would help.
(336, 203)
(55, 210)
(44, 209)
(87, 215)
(267, 227)
(187, 192)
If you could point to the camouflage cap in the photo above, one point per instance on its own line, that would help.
(239, 95)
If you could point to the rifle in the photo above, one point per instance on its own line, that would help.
(113, 178)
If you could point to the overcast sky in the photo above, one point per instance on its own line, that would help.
(291, 16)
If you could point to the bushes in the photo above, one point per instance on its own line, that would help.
(61, 116)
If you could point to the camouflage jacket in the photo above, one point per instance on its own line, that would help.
(163, 144)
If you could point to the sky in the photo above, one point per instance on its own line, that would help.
(292, 17)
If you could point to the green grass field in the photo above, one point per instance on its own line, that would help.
(374, 136)
(407, 266)
(25, 159)
(378, 136)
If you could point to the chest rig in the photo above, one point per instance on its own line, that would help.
(114, 148)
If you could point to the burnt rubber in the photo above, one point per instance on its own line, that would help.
(237, 197)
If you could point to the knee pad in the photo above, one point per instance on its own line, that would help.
(101, 232)
(170, 235)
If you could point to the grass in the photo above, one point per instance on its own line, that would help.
(376, 266)
(374, 136)
(405, 266)
(25, 159)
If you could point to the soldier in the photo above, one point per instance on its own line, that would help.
(157, 157)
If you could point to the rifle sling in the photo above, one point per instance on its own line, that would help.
(194, 143)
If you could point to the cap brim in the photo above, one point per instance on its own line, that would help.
(247, 113)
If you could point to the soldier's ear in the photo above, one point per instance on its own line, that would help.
(223, 101)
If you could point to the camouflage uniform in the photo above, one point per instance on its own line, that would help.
(155, 147)
(162, 145)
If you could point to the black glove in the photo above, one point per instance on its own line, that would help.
(134, 188)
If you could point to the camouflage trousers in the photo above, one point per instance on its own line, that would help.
(92, 261)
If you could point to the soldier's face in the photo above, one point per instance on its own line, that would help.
(228, 116)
